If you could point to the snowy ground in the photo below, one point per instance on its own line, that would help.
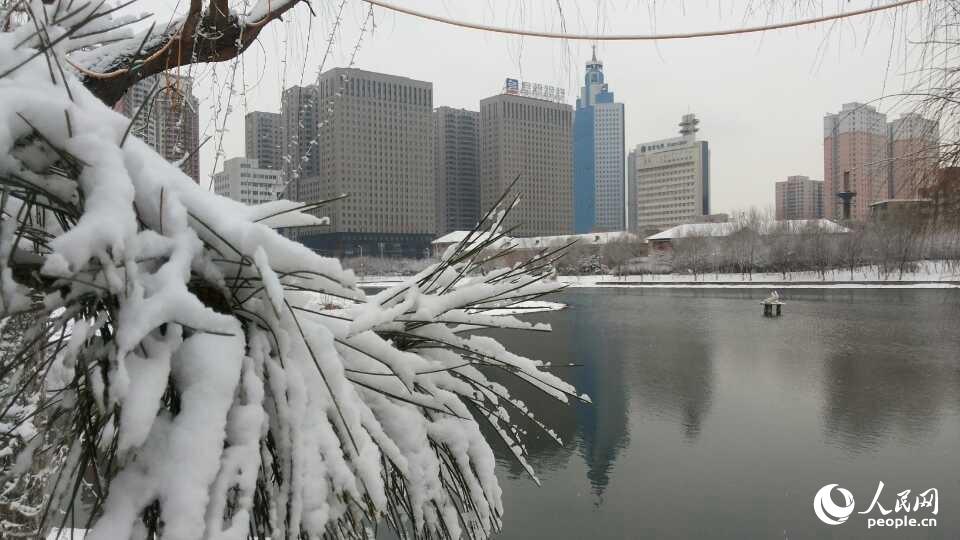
(322, 301)
(530, 306)
(931, 274)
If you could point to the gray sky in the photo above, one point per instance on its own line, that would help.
(760, 97)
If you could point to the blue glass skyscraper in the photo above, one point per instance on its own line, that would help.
(598, 156)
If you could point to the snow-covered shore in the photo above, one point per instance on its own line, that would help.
(929, 275)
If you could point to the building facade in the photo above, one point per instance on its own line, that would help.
(456, 151)
(598, 156)
(263, 138)
(799, 197)
(855, 147)
(171, 123)
(244, 180)
(531, 139)
(373, 142)
(300, 123)
(914, 150)
(671, 179)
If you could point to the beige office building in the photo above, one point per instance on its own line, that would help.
(669, 180)
(374, 142)
(531, 138)
(246, 181)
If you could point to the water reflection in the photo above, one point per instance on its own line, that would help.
(602, 426)
(710, 421)
(891, 375)
(674, 367)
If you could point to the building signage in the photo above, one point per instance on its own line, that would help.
(517, 87)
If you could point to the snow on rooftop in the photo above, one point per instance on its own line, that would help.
(539, 242)
(452, 237)
(589, 239)
(791, 226)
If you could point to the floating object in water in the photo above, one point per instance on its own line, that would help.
(772, 305)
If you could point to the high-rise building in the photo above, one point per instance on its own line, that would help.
(598, 175)
(263, 134)
(854, 147)
(373, 142)
(914, 151)
(531, 139)
(799, 197)
(300, 161)
(243, 180)
(456, 151)
(671, 179)
(171, 123)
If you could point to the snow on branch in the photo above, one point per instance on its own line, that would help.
(181, 374)
(97, 40)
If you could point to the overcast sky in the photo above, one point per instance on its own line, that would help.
(760, 97)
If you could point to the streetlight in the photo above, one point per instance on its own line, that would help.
(361, 259)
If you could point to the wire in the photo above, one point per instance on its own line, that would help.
(633, 37)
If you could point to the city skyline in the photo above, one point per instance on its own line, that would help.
(738, 103)
(858, 140)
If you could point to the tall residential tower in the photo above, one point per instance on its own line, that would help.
(914, 149)
(855, 146)
(598, 155)
(300, 122)
(171, 124)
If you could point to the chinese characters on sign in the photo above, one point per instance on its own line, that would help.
(534, 90)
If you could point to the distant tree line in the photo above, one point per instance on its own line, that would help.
(886, 248)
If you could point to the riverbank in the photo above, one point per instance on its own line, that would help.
(928, 275)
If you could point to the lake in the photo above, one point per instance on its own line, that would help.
(711, 421)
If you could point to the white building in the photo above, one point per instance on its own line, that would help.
(243, 180)
(669, 180)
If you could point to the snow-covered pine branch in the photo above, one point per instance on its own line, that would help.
(183, 377)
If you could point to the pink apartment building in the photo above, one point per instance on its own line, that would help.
(799, 197)
(884, 160)
(855, 142)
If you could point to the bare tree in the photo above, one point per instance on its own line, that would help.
(619, 251)
(781, 247)
(851, 247)
(817, 248)
(691, 253)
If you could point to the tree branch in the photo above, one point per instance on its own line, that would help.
(212, 36)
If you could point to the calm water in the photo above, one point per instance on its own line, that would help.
(710, 421)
